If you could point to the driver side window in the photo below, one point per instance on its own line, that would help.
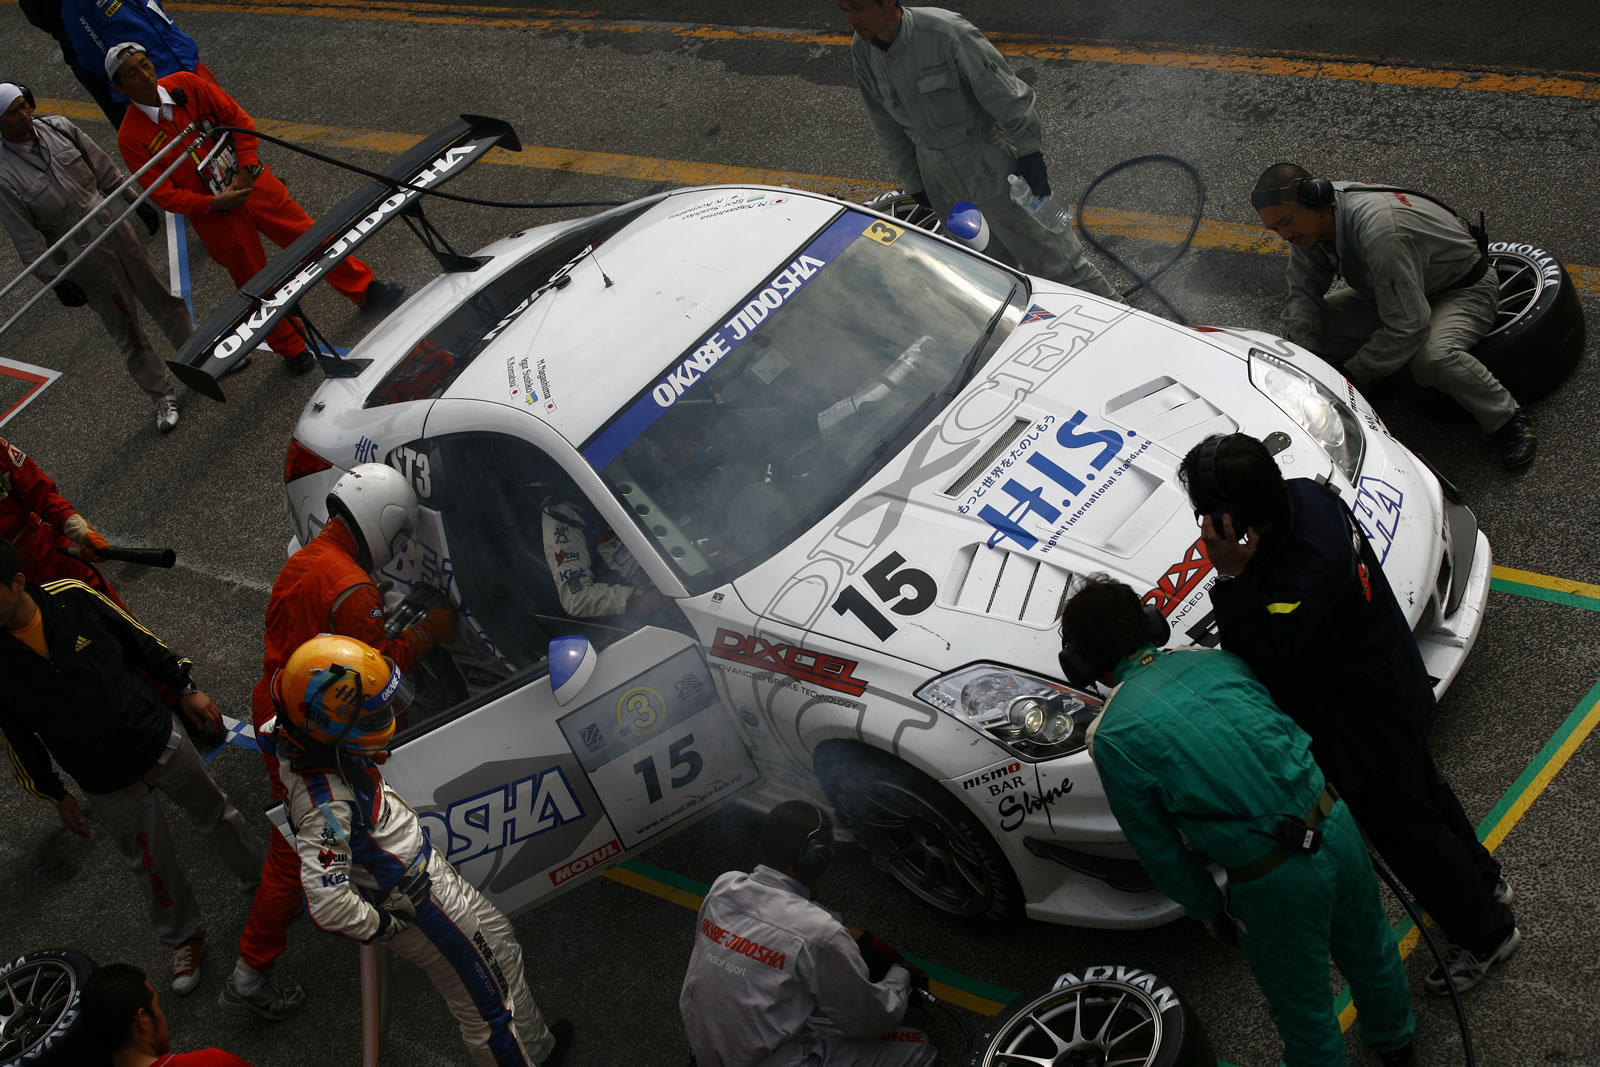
(532, 559)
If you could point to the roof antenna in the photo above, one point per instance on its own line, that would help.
(603, 274)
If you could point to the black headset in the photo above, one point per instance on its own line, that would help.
(1210, 483)
(1082, 670)
(815, 854)
(1309, 192)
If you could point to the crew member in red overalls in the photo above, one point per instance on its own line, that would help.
(234, 199)
(43, 524)
(326, 587)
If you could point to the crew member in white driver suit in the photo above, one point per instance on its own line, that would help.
(52, 174)
(776, 981)
(954, 121)
(368, 871)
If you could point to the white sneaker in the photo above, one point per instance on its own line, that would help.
(166, 412)
(1466, 969)
(1503, 891)
(186, 966)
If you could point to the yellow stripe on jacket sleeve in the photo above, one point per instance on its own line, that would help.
(23, 777)
(1281, 608)
(62, 584)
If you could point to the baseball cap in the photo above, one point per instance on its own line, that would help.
(118, 54)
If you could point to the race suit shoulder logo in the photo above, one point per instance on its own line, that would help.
(818, 668)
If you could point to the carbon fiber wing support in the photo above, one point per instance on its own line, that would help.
(239, 326)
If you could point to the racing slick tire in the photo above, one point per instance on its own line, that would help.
(41, 1002)
(918, 834)
(1538, 334)
(1105, 1014)
(902, 207)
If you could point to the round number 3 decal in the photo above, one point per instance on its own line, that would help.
(641, 710)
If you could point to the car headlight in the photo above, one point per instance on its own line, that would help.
(1033, 717)
(1312, 405)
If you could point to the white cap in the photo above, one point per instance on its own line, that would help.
(118, 54)
(8, 95)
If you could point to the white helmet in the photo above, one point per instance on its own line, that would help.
(379, 506)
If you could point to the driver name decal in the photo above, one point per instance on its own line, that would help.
(818, 668)
(717, 345)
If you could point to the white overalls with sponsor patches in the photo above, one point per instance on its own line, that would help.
(776, 981)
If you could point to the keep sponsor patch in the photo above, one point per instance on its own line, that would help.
(716, 346)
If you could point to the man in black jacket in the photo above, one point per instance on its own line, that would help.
(70, 657)
(1302, 599)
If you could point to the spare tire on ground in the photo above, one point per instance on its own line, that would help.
(41, 1007)
(1538, 336)
(1097, 1015)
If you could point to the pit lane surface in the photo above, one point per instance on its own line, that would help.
(617, 108)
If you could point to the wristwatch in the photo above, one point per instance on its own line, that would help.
(253, 169)
(189, 689)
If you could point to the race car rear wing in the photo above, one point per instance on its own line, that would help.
(236, 328)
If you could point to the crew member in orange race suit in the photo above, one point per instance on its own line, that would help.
(235, 198)
(326, 587)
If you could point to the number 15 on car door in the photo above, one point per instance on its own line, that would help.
(659, 748)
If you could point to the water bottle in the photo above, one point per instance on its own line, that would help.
(1054, 215)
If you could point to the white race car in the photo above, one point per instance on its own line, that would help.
(865, 463)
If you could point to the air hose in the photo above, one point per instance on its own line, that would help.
(1147, 281)
(1433, 947)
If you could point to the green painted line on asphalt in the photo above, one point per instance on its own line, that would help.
(1552, 596)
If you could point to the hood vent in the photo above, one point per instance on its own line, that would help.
(1007, 585)
(1168, 411)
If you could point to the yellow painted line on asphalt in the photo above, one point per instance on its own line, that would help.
(1546, 581)
(1143, 225)
(1569, 84)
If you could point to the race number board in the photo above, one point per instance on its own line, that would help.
(659, 748)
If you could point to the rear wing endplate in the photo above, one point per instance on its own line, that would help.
(239, 326)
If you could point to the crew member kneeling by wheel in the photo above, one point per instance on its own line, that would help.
(776, 981)
(1195, 758)
(368, 870)
(1420, 292)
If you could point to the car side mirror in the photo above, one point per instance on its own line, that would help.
(572, 663)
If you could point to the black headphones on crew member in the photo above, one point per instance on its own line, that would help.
(814, 855)
(1308, 192)
(1082, 670)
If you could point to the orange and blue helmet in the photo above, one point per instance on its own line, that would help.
(342, 693)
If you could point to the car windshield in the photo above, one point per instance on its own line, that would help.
(806, 388)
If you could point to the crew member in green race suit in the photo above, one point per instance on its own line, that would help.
(1197, 760)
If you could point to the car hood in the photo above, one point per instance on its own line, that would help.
(1059, 459)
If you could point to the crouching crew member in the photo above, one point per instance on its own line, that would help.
(1302, 599)
(776, 981)
(1195, 758)
(1420, 292)
(368, 870)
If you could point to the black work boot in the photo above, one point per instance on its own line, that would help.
(1516, 441)
(561, 1030)
(1401, 1057)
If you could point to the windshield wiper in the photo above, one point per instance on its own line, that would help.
(969, 366)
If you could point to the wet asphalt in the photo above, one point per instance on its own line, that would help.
(624, 78)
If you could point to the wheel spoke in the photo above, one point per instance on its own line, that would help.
(1044, 1028)
(1106, 1026)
